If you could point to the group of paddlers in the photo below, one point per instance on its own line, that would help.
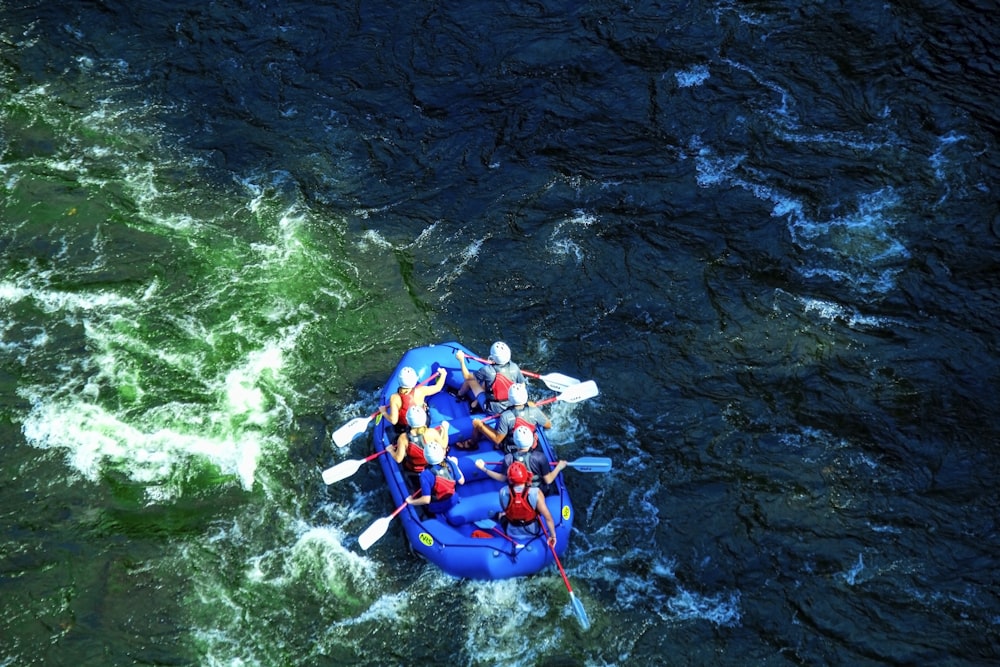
(499, 391)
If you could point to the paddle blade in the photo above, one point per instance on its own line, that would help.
(591, 464)
(342, 470)
(558, 381)
(579, 611)
(349, 431)
(579, 392)
(374, 532)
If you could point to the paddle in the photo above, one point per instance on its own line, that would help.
(583, 464)
(581, 613)
(345, 469)
(489, 524)
(589, 464)
(554, 381)
(357, 426)
(574, 394)
(352, 429)
(374, 532)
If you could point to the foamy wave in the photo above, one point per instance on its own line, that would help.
(857, 248)
(96, 438)
(693, 76)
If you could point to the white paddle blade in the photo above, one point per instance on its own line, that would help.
(579, 392)
(342, 470)
(558, 381)
(349, 431)
(374, 533)
(579, 611)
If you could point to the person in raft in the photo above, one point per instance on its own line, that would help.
(490, 384)
(523, 505)
(438, 482)
(520, 413)
(532, 458)
(409, 394)
(408, 449)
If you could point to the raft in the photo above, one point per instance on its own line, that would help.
(468, 550)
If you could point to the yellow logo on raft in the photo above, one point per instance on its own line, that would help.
(565, 512)
(426, 539)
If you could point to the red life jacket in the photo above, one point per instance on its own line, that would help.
(444, 483)
(507, 444)
(502, 382)
(519, 511)
(415, 461)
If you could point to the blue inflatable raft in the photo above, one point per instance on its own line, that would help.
(464, 551)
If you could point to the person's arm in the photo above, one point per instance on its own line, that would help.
(436, 387)
(395, 402)
(455, 470)
(461, 362)
(492, 474)
(550, 477)
(541, 418)
(485, 376)
(425, 491)
(398, 450)
(543, 510)
(442, 431)
(480, 426)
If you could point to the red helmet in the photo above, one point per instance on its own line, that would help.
(517, 474)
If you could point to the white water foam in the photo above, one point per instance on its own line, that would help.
(857, 248)
(562, 241)
(660, 591)
(856, 245)
(693, 76)
(504, 609)
(849, 315)
(107, 408)
(852, 574)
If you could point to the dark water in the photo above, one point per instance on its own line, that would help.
(768, 230)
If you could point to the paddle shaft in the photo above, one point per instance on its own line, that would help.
(554, 555)
(399, 509)
(595, 463)
(501, 533)
(581, 613)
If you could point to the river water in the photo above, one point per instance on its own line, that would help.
(768, 231)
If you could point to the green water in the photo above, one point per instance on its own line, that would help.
(165, 331)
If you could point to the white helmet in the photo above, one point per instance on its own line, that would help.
(523, 437)
(408, 378)
(518, 393)
(500, 353)
(434, 453)
(416, 416)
